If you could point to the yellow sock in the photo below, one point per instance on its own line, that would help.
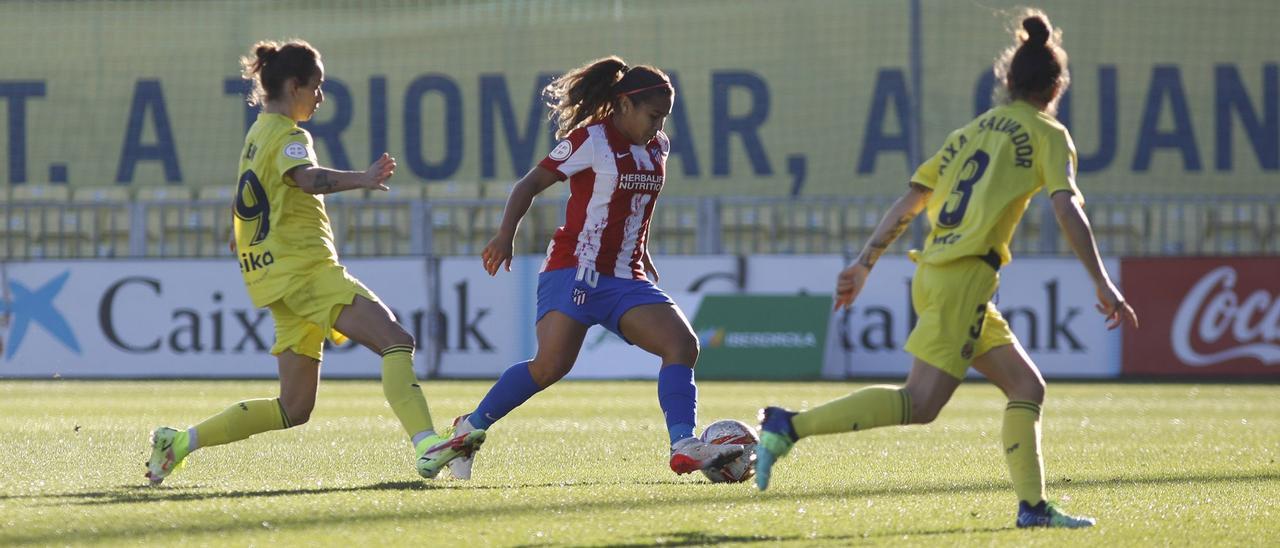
(240, 421)
(870, 407)
(400, 386)
(1021, 437)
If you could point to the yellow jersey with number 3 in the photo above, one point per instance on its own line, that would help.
(282, 233)
(985, 175)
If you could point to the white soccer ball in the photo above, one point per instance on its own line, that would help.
(729, 431)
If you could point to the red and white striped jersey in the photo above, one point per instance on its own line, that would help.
(613, 185)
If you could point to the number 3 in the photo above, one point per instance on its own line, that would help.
(259, 210)
(975, 166)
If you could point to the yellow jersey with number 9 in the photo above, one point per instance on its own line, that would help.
(282, 233)
(985, 175)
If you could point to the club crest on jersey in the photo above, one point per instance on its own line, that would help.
(579, 296)
(562, 151)
(644, 161)
(296, 150)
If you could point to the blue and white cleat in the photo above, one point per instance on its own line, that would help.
(1048, 515)
(777, 436)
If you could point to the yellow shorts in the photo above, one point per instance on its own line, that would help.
(957, 320)
(305, 316)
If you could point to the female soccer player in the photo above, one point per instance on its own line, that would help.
(614, 154)
(290, 265)
(975, 189)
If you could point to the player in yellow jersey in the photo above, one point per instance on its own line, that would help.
(285, 249)
(975, 190)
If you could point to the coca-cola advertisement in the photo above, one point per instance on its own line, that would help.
(1215, 317)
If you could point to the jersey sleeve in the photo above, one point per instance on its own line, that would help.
(571, 155)
(295, 150)
(1057, 164)
(927, 174)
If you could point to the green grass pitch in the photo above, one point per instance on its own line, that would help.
(585, 464)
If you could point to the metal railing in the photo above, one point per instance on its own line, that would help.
(1124, 225)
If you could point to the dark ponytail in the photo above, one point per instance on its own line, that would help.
(271, 64)
(1036, 66)
(590, 93)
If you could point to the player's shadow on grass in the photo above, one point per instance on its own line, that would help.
(521, 505)
(127, 494)
(130, 494)
(703, 538)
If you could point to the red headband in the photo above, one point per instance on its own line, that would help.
(646, 88)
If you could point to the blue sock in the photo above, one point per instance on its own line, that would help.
(678, 397)
(513, 388)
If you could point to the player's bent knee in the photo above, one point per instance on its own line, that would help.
(923, 413)
(1035, 392)
(684, 351)
(298, 420)
(546, 373)
(298, 414)
(1030, 388)
(396, 336)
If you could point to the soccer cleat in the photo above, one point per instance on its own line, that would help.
(1048, 515)
(168, 448)
(690, 454)
(437, 451)
(460, 468)
(777, 436)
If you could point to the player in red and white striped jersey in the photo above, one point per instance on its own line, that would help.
(598, 270)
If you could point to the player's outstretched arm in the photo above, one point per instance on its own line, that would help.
(322, 180)
(1080, 235)
(895, 221)
(497, 253)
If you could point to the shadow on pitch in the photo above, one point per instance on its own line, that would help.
(703, 538)
(128, 494)
(142, 494)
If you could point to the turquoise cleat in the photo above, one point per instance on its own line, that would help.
(777, 436)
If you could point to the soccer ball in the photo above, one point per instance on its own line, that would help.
(729, 431)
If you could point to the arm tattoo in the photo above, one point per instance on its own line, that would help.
(323, 184)
(877, 247)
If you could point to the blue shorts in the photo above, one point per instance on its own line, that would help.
(592, 298)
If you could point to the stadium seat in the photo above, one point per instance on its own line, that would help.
(451, 207)
(211, 225)
(169, 213)
(105, 211)
(546, 215)
(341, 209)
(1236, 228)
(809, 227)
(540, 224)
(1119, 228)
(383, 225)
(857, 224)
(37, 212)
(487, 217)
(747, 228)
(674, 228)
(1271, 240)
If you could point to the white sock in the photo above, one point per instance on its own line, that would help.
(417, 438)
